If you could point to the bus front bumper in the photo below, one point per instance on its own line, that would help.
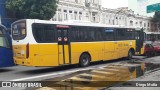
(23, 62)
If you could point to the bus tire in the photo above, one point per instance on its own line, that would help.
(130, 55)
(84, 60)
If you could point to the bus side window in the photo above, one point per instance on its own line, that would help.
(121, 34)
(130, 34)
(76, 34)
(109, 34)
(92, 35)
(83, 34)
(44, 33)
(99, 35)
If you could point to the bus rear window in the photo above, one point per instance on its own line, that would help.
(19, 30)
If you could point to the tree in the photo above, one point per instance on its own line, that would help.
(156, 17)
(32, 9)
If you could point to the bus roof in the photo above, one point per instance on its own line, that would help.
(152, 32)
(76, 23)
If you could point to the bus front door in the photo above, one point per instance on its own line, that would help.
(63, 46)
(139, 41)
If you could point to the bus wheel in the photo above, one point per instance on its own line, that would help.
(84, 60)
(130, 55)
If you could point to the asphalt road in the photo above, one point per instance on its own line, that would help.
(23, 73)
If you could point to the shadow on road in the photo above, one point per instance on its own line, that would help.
(47, 70)
(5, 70)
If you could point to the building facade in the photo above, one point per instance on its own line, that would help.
(92, 10)
(78, 10)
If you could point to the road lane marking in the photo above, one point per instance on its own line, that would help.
(47, 75)
(64, 72)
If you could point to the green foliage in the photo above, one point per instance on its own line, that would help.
(32, 9)
(156, 17)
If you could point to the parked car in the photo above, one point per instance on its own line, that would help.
(156, 46)
(149, 50)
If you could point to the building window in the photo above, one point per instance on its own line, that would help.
(131, 23)
(148, 24)
(144, 24)
(113, 22)
(75, 16)
(76, 1)
(80, 15)
(106, 16)
(70, 15)
(87, 16)
(59, 16)
(54, 18)
(140, 23)
(94, 17)
(59, 13)
(65, 15)
(94, 1)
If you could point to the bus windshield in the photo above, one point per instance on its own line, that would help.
(4, 42)
(19, 30)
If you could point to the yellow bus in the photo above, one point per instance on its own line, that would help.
(50, 43)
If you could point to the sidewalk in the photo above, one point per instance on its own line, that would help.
(154, 76)
(150, 75)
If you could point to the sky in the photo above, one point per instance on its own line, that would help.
(114, 3)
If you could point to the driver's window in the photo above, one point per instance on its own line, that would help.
(4, 42)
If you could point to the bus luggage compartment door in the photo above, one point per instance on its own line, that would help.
(63, 46)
